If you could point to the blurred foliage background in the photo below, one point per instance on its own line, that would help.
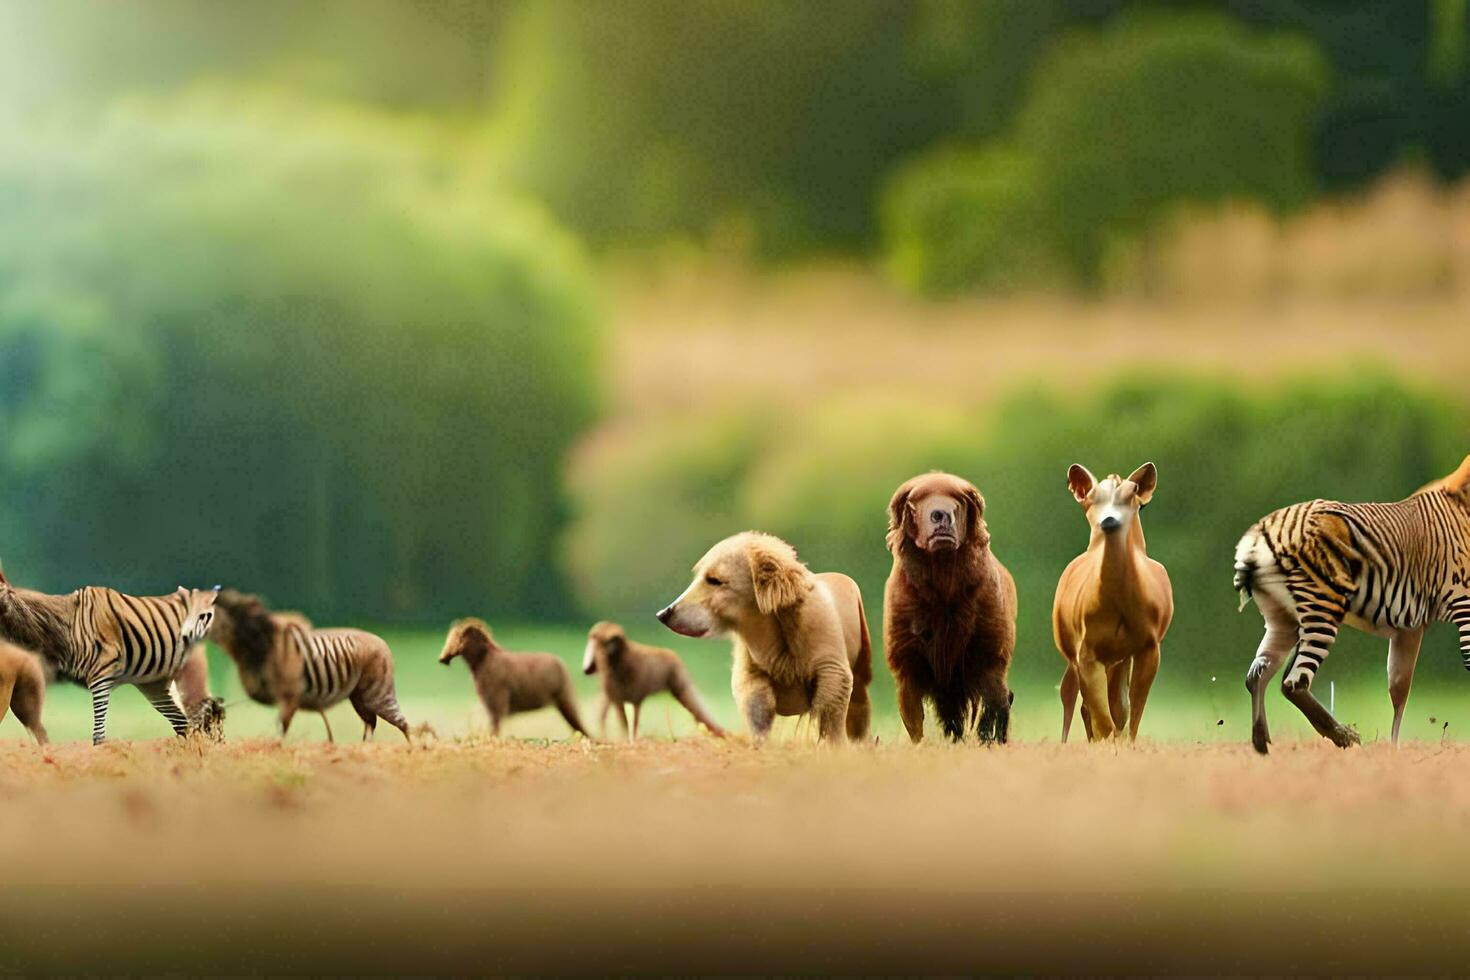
(397, 310)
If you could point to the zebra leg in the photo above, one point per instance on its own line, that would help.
(1460, 616)
(1403, 654)
(328, 723)
(389, 711)
(1320, 620)
(101, 692)
(1276, 646)
(160, 694)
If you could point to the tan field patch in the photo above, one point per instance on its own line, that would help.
(700, 855)
(709, 339)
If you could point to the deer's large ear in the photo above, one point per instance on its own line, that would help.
(778, 580)
(1146, 478)
(1080, 481)
(978, 532)
(900, 517)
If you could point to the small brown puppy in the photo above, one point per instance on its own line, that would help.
(22, 689)
(949, 610)
(511, 682)
(633, 671)
(801, 639)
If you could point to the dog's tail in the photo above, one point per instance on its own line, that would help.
(859, 708)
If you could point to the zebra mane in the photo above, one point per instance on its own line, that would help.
(38, 622)
(251, 632)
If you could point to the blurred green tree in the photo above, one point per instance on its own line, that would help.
(1121, 125)
(291, 347)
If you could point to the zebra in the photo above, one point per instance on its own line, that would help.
(1386, 569)
(283, 660)
(101, 638)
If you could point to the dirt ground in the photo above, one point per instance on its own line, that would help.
(573, 857)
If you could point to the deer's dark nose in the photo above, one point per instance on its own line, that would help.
(1110, 523)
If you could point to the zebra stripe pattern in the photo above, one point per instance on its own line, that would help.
(1389, 569)
(343, 663)
(139, 640)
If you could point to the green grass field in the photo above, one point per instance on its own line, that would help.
(1185, 706)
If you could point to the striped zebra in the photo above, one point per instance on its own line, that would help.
(283, 660)
(101, 638)
(1386, 569)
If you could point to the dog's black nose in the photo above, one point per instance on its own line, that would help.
(1109, 523)
(939, 517)
(666, 613)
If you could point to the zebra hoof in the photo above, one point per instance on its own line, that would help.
(1260, 738)
(1344, 737)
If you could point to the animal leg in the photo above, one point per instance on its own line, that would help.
(758, 704)
(1403, 654)
(1070, 688)
(683, 690)
(620, 712)
(7, 685)
(911, 709)
(1094, 681)
(287, 712)
(26, 702)
(995, 711)
(860, 713)
(567, 705)
(1320, 620)
(637, 716)
(387, 709)
(160, 694)
(830, 699)
(365, 712)
(328, 723)
(101, 693)
(1144, 668)
(1118, 693)
(1271, 655)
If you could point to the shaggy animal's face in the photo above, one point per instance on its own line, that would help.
(740, 578)
(939, 522)
(605, 645)
(938, 512)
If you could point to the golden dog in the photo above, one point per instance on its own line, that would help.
(801, 639)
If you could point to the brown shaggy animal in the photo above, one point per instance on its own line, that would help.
(801, 638)
(508, 682)
(632, 671)
(283, 660)
(22, 689)
(949, 610)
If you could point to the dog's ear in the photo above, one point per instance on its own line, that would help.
(1146, 478)
(1081, 481)
(779, 581)
(900, 517)
(979, 534)
(614, 646)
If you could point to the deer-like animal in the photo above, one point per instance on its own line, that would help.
(1113, 607)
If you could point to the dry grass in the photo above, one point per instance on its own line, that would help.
(706, 856)
(706, 340)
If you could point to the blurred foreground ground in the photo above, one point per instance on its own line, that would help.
(480, 856)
